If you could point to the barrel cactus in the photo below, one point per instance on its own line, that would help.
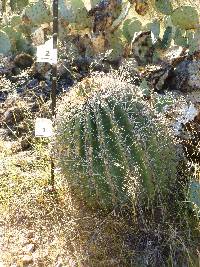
(111, 145)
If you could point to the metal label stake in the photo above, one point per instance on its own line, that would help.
(54, 79)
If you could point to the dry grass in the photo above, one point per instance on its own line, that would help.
(64, 230)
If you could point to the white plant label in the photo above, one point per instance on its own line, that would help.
(43, 127)
(46, 53)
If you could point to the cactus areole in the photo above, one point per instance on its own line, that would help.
(110, 144)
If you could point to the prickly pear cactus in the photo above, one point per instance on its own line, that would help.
(179, 37)
(164, 6)
(185, 17)
(110, 144)
(36, 13)
(5, 45)
(167, 38)
(74, 11)
(11, 33)
(15, 20)
(17, 5)
(130, 27)
(116, 43)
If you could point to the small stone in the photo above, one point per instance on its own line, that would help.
(30, 234)
(25, 143)
(26, 259)
(13, 115)
(23, 61)
(32, 83)
(59, 264)
(29, 248)
(72, 263)
(187, 77)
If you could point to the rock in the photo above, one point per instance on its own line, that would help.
(187, 76)
(41, 70)
(26, 259)
(23, 61)
(29, 248)
(157, 76)
(5, 88)
(38, 36)
(6, 65)
(58, 264)
(30, 234)
(32, 83)
(173, 53)
(3, 95)
(194, 97)
(25, 143)
(13, 115)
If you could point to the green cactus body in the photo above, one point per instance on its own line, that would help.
(26, 29)
(17, 40)
(18, 4)
(12, 34)
(5, 45)
(37, 13)
(154, 27)
(193, 40)
(116, 42)
(23, 45)
(163, 102)
(167, 38)
(185, 17)
(179, 38)
(74, 12)
(111, 145)
(130, 27)
(194, 196)
(15, 20)
(164, 6)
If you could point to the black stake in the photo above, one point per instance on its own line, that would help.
(54, 77)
